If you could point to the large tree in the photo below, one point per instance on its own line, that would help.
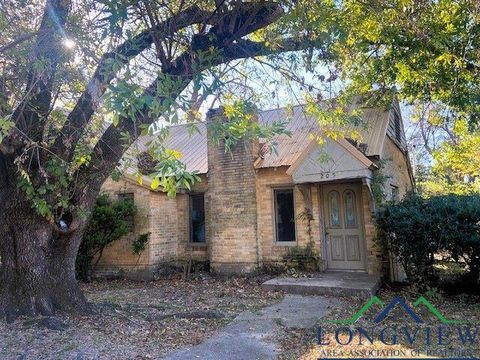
(53, 159)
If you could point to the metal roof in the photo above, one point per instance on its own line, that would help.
(193, 144)
(189, 140)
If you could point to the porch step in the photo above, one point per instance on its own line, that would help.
(328, 283)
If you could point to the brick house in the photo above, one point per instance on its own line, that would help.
(249, 209)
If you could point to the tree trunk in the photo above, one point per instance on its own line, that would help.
(37, 271)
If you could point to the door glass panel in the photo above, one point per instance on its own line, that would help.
(350, 215)
(334, 203)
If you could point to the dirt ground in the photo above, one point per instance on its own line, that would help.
(148, 320)
(136, 320)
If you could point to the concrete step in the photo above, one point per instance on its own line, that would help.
(328, 283)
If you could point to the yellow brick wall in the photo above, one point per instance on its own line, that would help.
(375, 258)
(397, 168)
(231, 203)
(163, 228)
(267, 181)
(118, 255)
(166, 219)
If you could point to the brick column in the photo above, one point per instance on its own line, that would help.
(232, 204)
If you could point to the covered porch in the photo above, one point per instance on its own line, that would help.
(335, 183)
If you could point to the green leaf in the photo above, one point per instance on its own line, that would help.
(155, 183)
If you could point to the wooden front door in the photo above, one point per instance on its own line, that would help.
(345, 242)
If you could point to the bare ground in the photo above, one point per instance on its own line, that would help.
(148, 320)
(136, 320)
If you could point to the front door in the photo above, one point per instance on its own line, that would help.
(345, 242)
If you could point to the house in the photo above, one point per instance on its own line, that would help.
(249, 209)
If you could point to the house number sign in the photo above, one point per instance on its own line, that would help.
(327, 175)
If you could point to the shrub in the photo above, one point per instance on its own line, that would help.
(460, 224)
(109, 221)
(415, 229)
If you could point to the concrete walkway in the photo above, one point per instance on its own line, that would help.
(328, 283)
(251, 336)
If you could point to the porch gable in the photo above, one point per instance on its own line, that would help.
(334, 160)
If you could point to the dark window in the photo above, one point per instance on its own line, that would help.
(128, 197)
(284, 215)
(197, 218)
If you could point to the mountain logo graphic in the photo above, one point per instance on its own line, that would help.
(397, 302)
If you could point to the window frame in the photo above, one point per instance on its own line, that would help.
(274, 191)
(190, 222)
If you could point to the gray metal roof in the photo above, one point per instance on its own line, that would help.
(193, 145)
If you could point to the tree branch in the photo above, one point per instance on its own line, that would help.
(109, 150)
(244, 20)
(244, 48)
(17, 41)
(30, 114)
(226, 45)
(104, 74)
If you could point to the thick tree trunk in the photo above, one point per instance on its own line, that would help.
(37, 271)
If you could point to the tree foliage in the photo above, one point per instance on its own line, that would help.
(109, 221)
(456, 163)
(426, 50)
(427, 53)
(124, 66)
(110, 72)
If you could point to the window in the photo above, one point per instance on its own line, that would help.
(128, 197)
(284, 215)
(197, 218)
(394, 193)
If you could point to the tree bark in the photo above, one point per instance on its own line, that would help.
(37, 270)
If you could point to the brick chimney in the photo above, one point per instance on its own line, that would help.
(232, 203)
